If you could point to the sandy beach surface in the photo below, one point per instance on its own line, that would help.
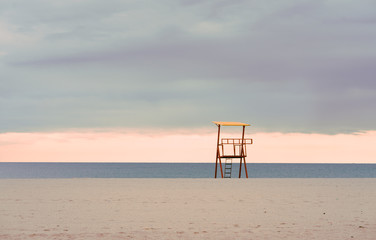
(188, 209)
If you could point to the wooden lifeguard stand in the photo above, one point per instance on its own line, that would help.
(230, 148)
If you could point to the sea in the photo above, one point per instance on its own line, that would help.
(182, 170)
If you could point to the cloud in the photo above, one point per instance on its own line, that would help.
(284, 66)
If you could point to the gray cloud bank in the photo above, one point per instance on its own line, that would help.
(290, 66)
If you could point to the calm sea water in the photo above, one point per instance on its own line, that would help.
(181, 170)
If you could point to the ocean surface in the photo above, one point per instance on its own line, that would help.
(182, 170)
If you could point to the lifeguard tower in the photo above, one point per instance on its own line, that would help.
(231, 148)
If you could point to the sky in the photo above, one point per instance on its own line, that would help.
(140, 69)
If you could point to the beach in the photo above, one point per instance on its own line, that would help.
(123, 208)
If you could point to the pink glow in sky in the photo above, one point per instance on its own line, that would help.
(198, 146)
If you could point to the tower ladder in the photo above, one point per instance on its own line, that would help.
(228, 168)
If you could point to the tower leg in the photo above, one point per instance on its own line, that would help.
(216, 163)
(240, 168)
(217, 154)
(242, 153)
(245, 168)
(220, 165)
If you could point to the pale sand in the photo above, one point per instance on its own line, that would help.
(188, 209)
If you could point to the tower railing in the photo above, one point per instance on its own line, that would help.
(232, 147)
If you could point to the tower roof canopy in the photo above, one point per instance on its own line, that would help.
(230, 124)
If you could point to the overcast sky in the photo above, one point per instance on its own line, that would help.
(287, 66)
